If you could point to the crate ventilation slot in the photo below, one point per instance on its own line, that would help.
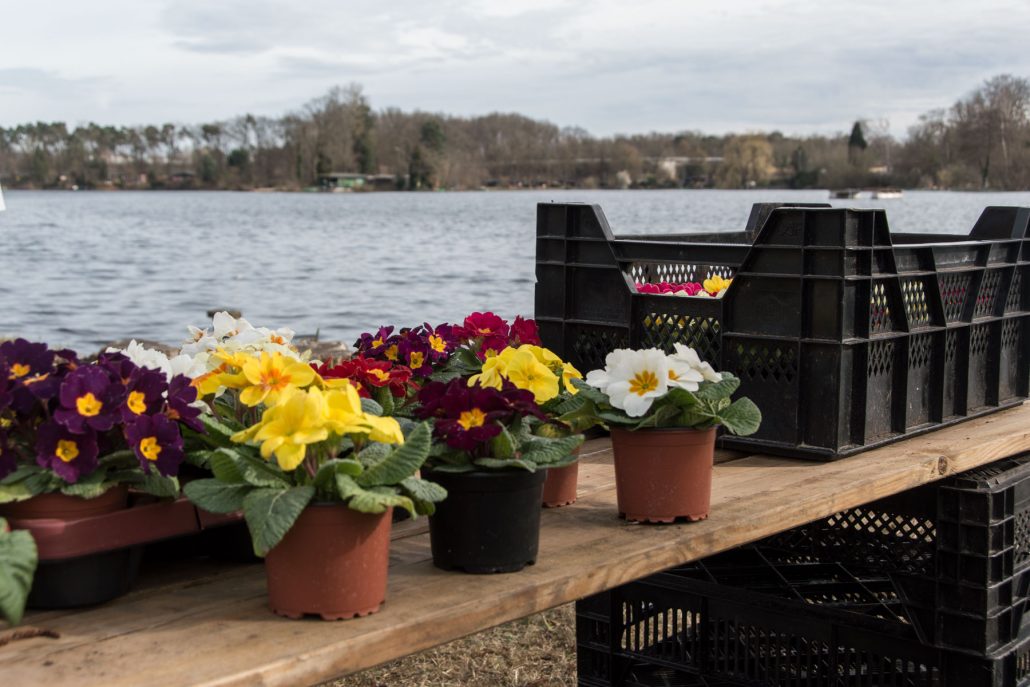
(988, 294)
(675, 272)
(758, 362)
(879, 309)
(916, 307)
(663, 330)
(591, 348)
(920, 351)
(881, 358)
(953, 293)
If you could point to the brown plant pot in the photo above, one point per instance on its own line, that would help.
(59, 506)
(662, 475)
(332, 563)
(560, 486)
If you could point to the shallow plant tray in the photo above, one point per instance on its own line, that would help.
(95, 559)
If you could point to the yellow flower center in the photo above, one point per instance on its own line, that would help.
(417, 359)
(437, 343)
(149, 447)
(472, 418)
(137, 402)
(19, 370)
(67, 450)
(391, 352)
(643, 382)
(379, 374)
(88, 405)
(376, 343)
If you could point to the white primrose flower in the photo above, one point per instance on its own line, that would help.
(154, 359)
(686, 357)
(632, 379)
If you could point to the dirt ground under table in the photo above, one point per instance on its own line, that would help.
(538, 651)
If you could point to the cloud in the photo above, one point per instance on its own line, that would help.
(607, 65)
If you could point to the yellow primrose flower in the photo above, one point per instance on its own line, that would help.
(526, 372)
(270, 374)
(715, 284)
(568, 373)
(300, 418)
(346, 417)
(385, 430)
(345, 414)
(494, 371)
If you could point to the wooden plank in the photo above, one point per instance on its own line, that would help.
(215, 629)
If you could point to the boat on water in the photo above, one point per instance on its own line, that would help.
(864, 194)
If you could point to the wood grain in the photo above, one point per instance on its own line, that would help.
(212, 627)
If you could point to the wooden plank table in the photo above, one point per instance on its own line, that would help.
(207, 624)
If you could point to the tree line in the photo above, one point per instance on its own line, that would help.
(981, 142)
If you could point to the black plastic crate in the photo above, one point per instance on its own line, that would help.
(801, 633)
(957, 553)
(846, 336)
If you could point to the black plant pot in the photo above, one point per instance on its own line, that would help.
(489, 522)
(86, 580)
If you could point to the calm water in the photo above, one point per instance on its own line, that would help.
(83, 269)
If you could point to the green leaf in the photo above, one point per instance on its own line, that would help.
(378, 499)
(270, 513)
(742, 417)
(260, 473)
(371, 407)
(660, 415)
(160, 486)
(422, 490)
(225, 465)
(402, 462)
(123, 458)
(454, 467)
(503, 445)
(87, 490)
(374, 453)
(713, 391)
(496, 464)
(696, 417)
(617, 417)
(591, 393)
(325, 478)
(547, 451)
(680, 397)
(346, 487)
(17, 566)
(217, 434)
(216, 496)
(200, 458)
(384, 398)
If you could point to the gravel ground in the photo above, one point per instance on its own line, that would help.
(538, 651)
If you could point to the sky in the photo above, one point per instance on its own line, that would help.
(798, 66)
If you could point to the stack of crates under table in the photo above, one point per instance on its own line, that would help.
(925, 588)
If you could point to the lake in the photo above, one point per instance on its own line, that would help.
(82, 269)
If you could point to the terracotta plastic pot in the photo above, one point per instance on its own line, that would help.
(560, 486)
(489, 522)
(59, 506)
(663, 474)
(332, 563)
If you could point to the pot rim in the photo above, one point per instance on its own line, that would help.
(656, 430)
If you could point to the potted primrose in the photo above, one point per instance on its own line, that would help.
(663, 412)
(492, 352)
(316, 471)
(487, 457)
(74, 439)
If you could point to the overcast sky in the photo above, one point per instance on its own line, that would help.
(800, 66)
